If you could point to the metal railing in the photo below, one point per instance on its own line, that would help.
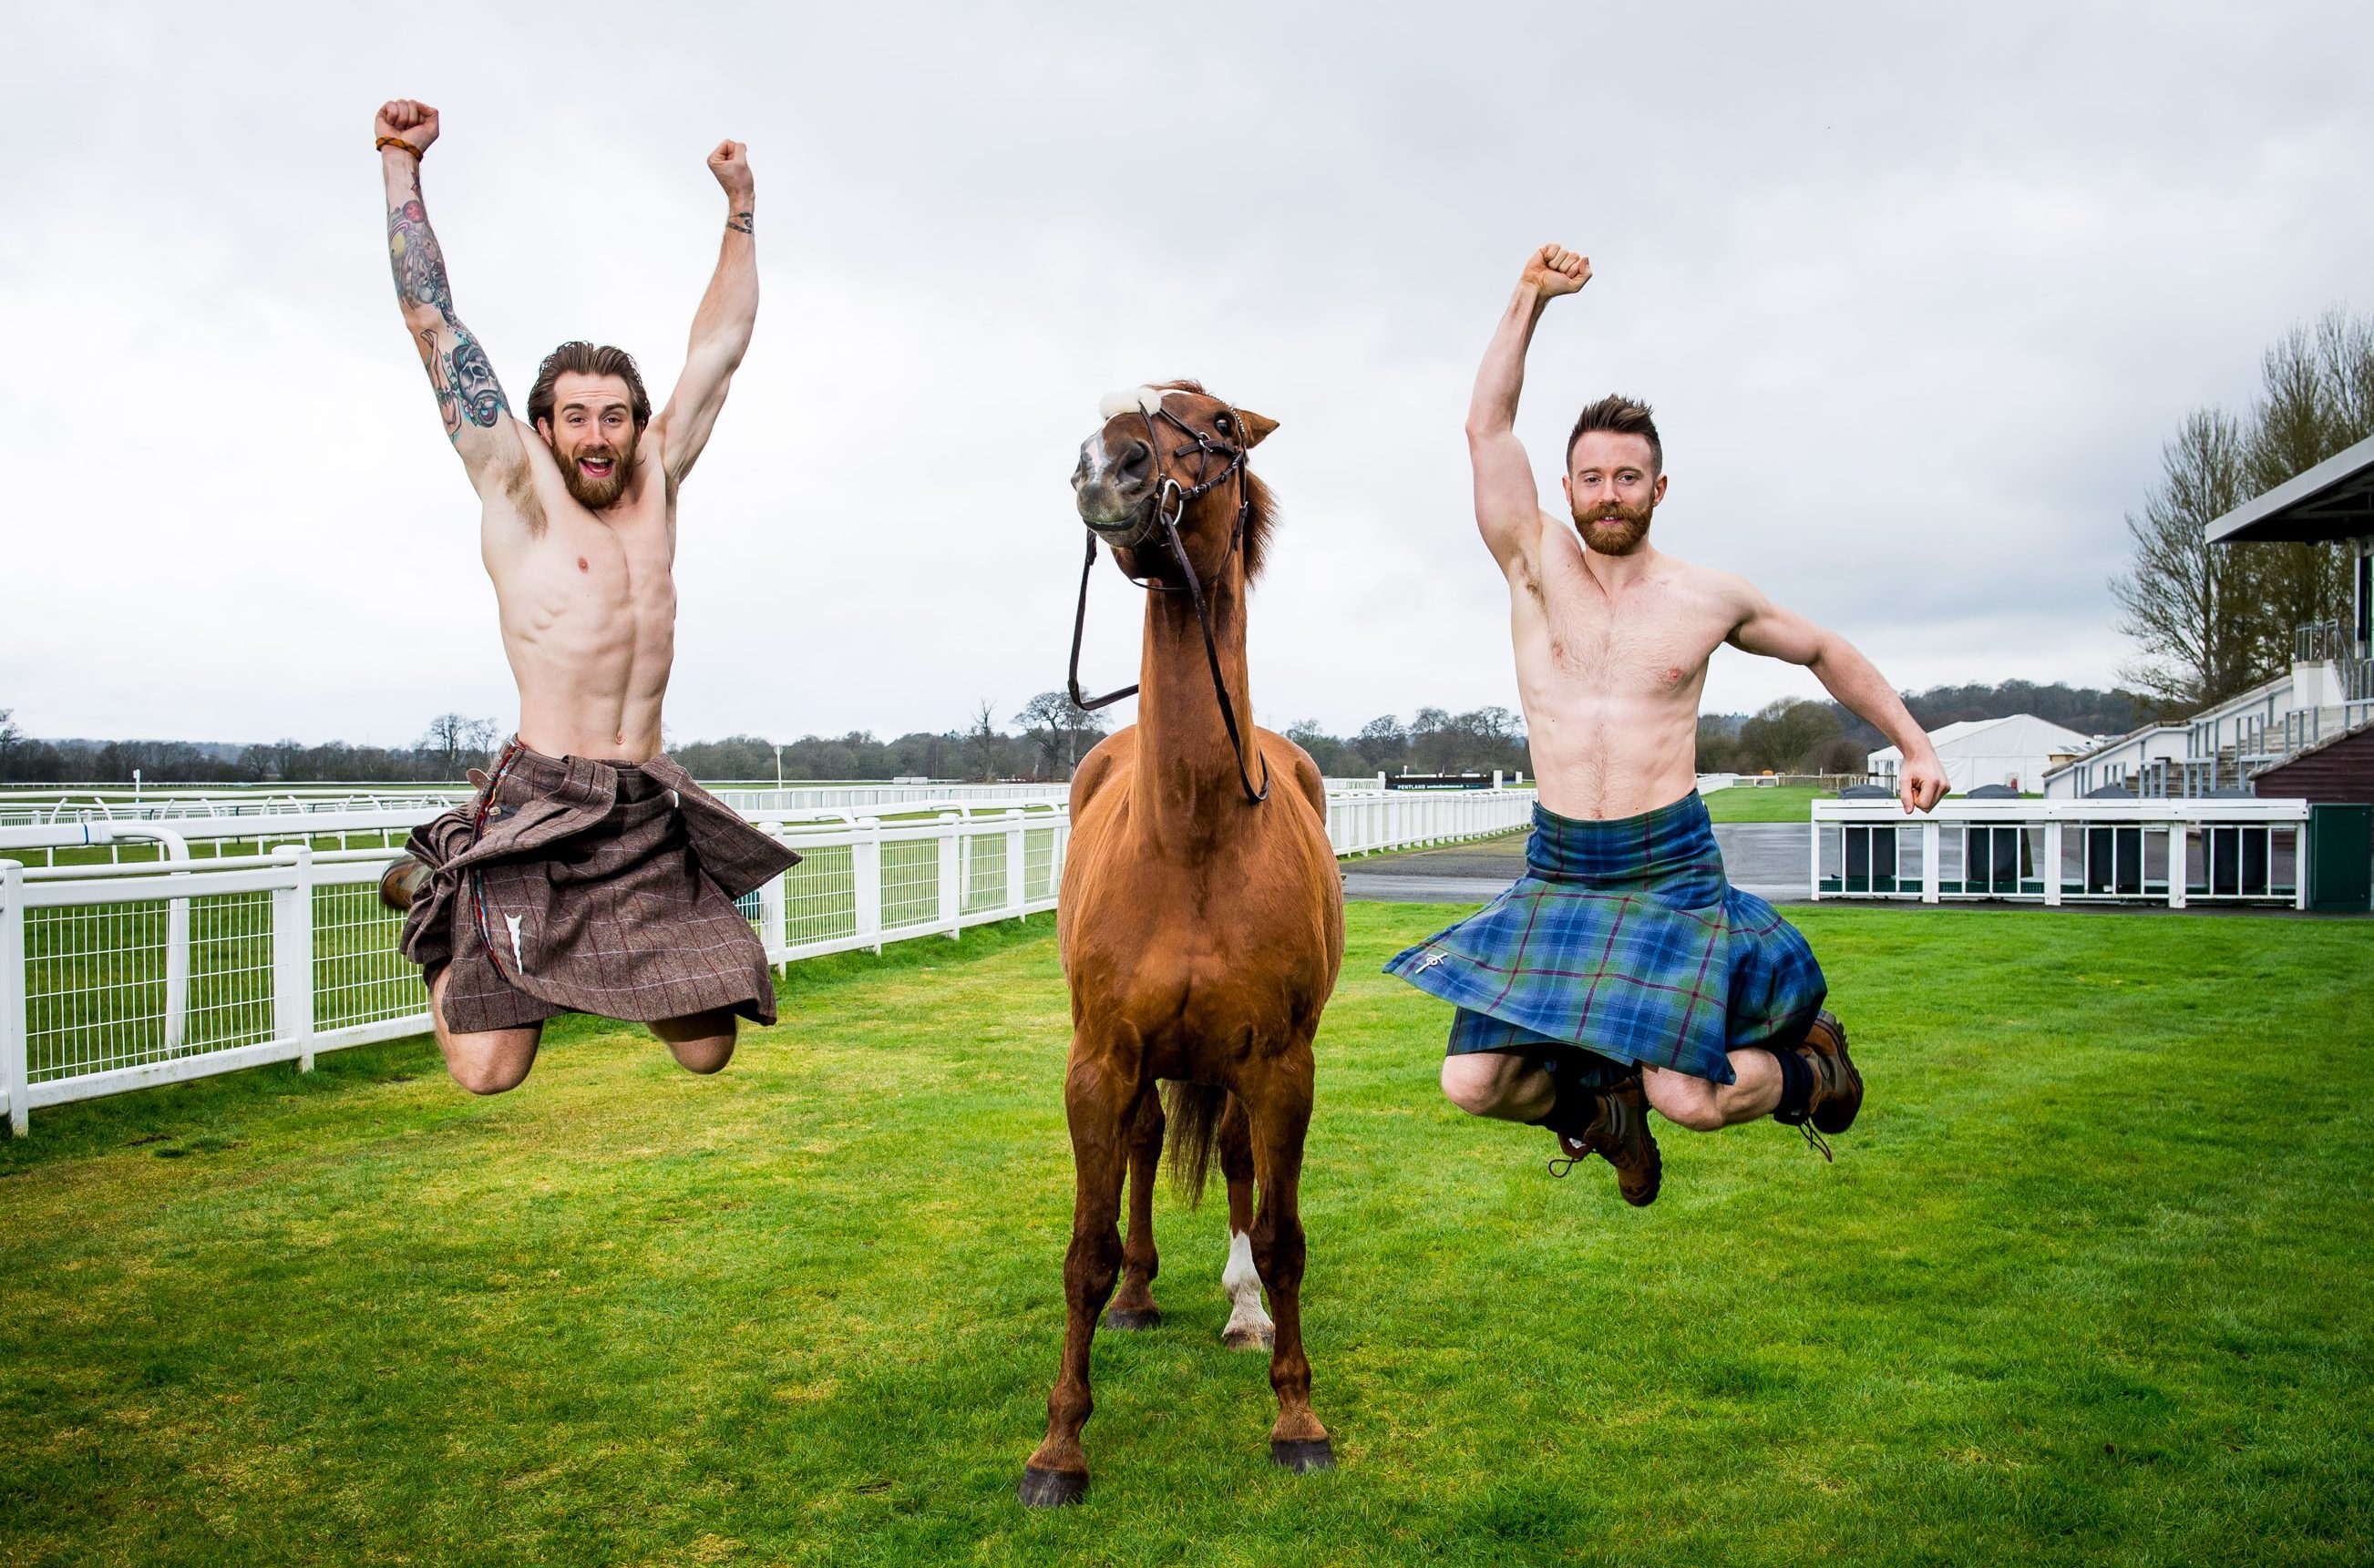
(119, 975)
(2172, 851)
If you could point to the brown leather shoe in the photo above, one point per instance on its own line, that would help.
(1620, 1135)
(1838, 1087)
(402, 883)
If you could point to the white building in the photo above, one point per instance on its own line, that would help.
(2018, 751)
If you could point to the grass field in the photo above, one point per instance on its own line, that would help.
(2088, 1284)
(1745, 802)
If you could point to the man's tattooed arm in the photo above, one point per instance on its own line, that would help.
(467, 392)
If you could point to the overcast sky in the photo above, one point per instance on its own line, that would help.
(1917, 296)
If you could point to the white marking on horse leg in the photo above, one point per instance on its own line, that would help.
(1250, 1327)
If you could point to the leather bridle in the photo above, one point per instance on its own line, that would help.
(1170, 504)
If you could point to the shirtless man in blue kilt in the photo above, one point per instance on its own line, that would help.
(1622, 971)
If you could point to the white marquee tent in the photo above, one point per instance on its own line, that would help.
(2017, 751)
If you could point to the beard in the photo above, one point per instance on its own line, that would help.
(593, 494)
(1613, 530)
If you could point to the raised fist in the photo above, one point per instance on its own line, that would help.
(730, 164)
(1554, 271)
(415, 121)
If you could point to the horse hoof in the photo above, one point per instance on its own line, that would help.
(1243, 1338)
(1054, 1489)
(1116, 1317)
(1302, 1455)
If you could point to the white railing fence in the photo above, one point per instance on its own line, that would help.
(2171, 851)
(116, 977)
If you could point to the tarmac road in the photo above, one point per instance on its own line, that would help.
(1767, 859)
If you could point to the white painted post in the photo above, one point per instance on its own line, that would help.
(2177, 869)
(292, 953)
(177, 975)
(773, 905)
(2052, 862)
(1496, 778)
(866, 882)
(1015, 860)
(1928, 862)
(952, 857)
(1814, 859)
(12, 1072)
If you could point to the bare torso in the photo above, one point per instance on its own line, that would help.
(1611, 657)
(587, 604)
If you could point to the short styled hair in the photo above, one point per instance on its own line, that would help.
(1620, 415)
(587, 359)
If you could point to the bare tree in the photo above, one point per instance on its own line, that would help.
(9, 736)
(1061, 728)
(2188, 602)
(459, 741)
(985, 742)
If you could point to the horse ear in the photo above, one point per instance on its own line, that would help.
(1257, 425)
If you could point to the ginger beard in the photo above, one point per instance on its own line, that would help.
(1613, 529)
(595, 491)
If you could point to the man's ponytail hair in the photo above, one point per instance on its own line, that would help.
(1619, 415)
(587, 359)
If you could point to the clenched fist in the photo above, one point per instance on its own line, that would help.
(1554, 271)
(415, 121)
(730, 164)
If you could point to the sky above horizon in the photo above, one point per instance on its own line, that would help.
(1917, 295)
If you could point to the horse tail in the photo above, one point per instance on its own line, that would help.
(1193, 1111)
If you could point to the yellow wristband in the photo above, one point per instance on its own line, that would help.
(386, 142)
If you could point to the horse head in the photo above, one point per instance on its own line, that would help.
(1174, 452)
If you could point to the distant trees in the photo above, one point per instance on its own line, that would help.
(1062, 730)
(2210, 621)
(461, 742)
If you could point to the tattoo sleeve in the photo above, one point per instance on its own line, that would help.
(467, 392)
(742, 223)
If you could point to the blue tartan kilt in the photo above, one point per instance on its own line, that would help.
(1622, 945)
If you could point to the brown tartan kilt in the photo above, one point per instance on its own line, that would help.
(570, 885)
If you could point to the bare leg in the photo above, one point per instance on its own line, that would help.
(1099, 1106)
(1280, 1108)
(1133, 1307)
(702, 1041)
(487, 1062)
(1704, 1107)
(1249, 1326)
(1505, 1085)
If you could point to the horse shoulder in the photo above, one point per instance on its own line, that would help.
(1307, 777)
(1104, 761)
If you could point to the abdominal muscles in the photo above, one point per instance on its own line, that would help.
(591, 655)
(1599, 759)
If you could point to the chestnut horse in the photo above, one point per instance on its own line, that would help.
(1201, 919)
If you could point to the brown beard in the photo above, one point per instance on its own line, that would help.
(1619, 537)
(593, 495)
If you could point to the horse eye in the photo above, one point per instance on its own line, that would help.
(1222, 421)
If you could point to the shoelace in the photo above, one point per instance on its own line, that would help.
(1815, 1141)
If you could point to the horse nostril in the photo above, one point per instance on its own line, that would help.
(1137, 464)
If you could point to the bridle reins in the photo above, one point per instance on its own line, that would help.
(1171, 502)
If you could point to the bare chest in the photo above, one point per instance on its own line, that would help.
(1643, 639)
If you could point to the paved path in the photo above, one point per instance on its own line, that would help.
(1768, 858)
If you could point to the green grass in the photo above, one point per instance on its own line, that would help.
(2088, 1284)
(1748, 803)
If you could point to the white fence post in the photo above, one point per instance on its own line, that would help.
(1813, 860)
(1017, 861)
(2051, 868)
(1928, 863)
(292, 953)
(952, 855)
(772, 904)
(865, 866)
(177, 976)
(2178, 872)
(13, 1074)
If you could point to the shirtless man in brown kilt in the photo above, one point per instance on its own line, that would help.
(589, 873)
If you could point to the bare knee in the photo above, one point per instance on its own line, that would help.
(703, 1043)
(1476, 1084)
(492, 1063)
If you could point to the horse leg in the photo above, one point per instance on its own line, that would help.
(1281, 1114)
(1250, 1327)
(1098, 1103)
(1133, 1307)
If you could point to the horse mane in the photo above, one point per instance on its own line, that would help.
(1263, 517)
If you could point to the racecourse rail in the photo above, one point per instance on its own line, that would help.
(127, 974)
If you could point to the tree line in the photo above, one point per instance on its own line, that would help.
(1049, 738)
(2212, 620)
